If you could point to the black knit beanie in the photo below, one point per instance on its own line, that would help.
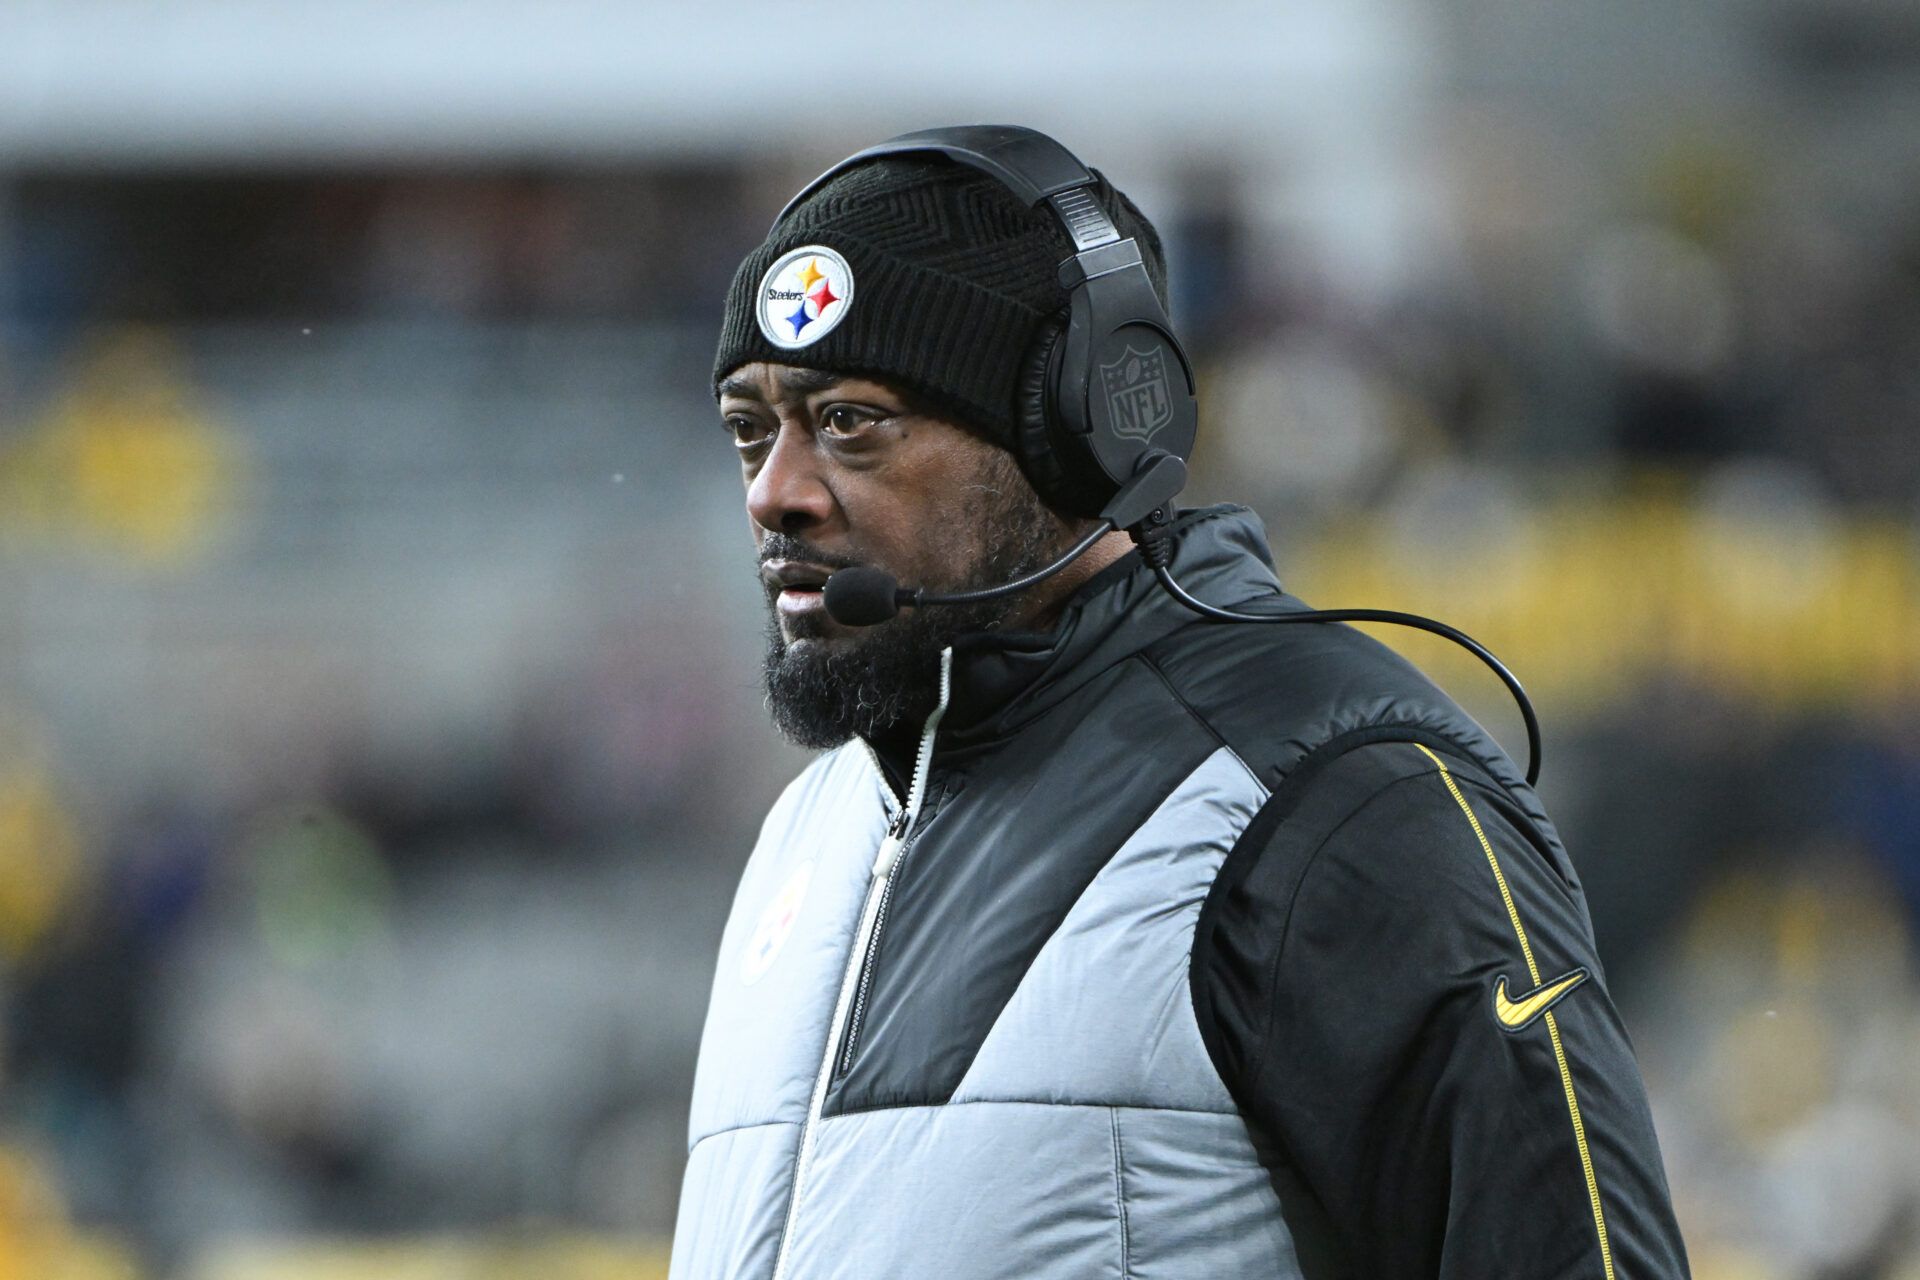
(918, 270)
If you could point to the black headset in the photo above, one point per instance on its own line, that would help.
(1106, 404)
(1110, 381)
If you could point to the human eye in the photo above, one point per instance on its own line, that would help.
(846, 419)
(749, 433)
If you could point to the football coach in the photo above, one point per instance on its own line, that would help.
(1112, 934)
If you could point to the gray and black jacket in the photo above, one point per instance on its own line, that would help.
(1171, 949)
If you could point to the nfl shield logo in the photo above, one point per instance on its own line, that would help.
(1138, 403)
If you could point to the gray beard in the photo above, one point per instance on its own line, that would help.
(820, 693)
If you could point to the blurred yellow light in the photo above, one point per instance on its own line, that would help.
(1614, 588)
(124, 460)
(39, 857)
(36, 1240)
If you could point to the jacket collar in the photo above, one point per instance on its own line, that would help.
(1004, 680)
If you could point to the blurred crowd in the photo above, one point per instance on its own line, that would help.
(379, 732)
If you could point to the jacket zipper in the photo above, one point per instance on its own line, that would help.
(856, 1016)
(854, 982)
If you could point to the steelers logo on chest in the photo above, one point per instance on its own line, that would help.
(776, 923)
(804, 296)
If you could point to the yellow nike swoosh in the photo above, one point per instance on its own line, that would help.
(1515, 1014)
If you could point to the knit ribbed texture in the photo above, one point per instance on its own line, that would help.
(952, 278)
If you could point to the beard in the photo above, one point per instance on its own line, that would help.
(823, 690)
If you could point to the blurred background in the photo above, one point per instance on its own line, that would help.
(379, 719)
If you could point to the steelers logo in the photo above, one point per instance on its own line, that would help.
(804, 295)
(775, 923)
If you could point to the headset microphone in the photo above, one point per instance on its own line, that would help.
(863, 595)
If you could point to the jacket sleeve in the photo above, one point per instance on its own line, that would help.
(1397, 979)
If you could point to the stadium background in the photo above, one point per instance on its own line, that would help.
(379, 728)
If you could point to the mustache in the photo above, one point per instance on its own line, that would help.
(784, 546)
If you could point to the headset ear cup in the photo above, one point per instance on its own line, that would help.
(1046, 455)
(1032, 407)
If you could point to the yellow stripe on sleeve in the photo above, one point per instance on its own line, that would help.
(1553, 1028)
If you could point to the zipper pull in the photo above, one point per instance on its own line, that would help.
(896, 840)
(933, 790)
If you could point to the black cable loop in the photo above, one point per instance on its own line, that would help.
(1413, 620)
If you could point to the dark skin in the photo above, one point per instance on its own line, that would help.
(851, 466)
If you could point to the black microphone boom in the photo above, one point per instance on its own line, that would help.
(863, 595)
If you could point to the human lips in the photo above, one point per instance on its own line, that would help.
(796, 585)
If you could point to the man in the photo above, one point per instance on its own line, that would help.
(1107, 940)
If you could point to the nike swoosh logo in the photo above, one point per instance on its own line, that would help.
(1515, 1015)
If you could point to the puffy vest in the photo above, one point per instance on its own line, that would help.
(954, 1038)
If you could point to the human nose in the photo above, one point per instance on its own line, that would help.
(788, 493)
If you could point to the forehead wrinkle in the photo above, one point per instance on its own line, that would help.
(790, 382)
(793, 380)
